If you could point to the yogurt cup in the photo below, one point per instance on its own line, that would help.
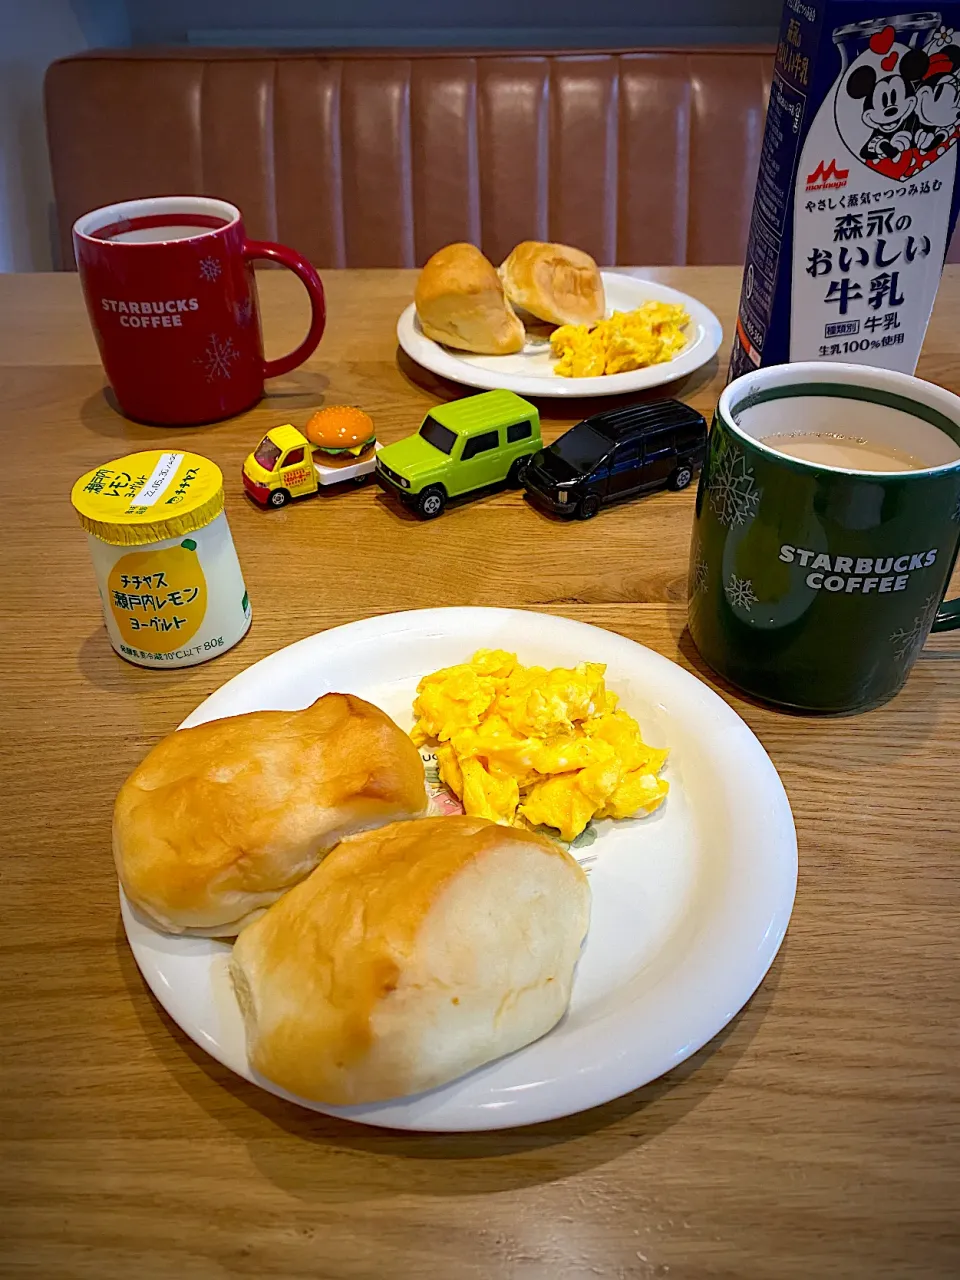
(170, 582)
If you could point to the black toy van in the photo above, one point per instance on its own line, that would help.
(623, 453)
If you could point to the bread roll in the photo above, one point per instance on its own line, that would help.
(411, 955)
(554, 282)
(220, 820)
(460, 303)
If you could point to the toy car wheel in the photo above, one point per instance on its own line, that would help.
(589, 506)
(682, 476)
(515, 474)
(361, 479)
(431, 502)
(279, 498)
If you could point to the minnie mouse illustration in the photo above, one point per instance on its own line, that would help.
(938, 100)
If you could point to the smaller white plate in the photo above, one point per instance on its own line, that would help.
(530, 371)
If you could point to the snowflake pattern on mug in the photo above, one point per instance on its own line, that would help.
(955, 517)
(243, 310)
(698, 575)
(908, 641)
(219, 355)
(732, 489)
(740, 592)
(210, 269)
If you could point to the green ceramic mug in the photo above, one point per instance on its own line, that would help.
(814, 584)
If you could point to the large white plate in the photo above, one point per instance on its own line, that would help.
(689, 905)
(530, 371)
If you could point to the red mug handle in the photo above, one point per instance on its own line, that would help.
(318, 308)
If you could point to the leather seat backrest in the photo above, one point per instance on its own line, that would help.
(377, 159)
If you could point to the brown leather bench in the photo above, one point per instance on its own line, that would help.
(368, 159)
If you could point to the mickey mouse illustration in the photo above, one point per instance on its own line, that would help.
(890, 102)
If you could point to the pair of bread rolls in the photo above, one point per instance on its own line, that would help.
(381, 952)
(463, 301)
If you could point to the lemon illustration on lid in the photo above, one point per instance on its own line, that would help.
(149, 497)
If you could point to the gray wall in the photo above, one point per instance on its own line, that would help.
(508, 23)
(32, 34)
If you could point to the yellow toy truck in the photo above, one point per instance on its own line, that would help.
(337, 445)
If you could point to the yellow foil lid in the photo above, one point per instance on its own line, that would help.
(150, 496)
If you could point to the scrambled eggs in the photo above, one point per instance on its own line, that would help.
(523, 744)
(629, 340)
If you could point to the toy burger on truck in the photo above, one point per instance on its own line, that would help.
(461, 447)
(336, 445)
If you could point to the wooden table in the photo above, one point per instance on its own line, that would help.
(816, 1136)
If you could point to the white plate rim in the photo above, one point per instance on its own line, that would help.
(740, 961)
(439, 360)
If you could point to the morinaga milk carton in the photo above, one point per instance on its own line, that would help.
(857, 192)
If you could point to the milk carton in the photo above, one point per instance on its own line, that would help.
(857, 192)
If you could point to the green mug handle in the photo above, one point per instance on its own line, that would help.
(948, 616)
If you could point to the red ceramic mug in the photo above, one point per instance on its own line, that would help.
(172, 299)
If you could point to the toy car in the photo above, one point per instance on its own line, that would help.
(618, 454)
(467, 445)
(336, 445)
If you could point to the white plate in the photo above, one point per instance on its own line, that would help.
(689, 905)
(530, 371)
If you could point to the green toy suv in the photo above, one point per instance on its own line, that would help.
(460, 447)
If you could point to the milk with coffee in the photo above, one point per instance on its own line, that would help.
(850, 453)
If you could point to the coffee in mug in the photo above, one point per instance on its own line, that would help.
(854, 452)
(827, 526)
